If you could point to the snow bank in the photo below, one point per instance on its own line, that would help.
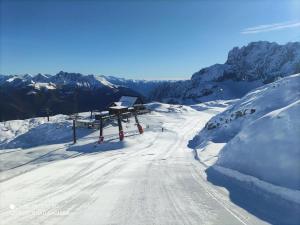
(254, 105)
(260, 134)
(268, 148)
(14, 128)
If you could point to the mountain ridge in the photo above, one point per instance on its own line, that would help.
(246, 68)
(26, 96)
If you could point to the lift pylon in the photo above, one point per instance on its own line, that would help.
(140, 128)
(121, 132)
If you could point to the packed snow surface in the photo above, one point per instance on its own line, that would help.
(151, 178)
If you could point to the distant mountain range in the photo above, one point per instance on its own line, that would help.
(77, 80)
(30, 96)
(144, 87)
(25, 96)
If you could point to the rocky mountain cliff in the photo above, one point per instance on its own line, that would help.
(246, 68)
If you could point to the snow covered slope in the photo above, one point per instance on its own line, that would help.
(151, 178)
(246, 68)
(27, 133)
(259, 134)
(268, 148)
(146, 179)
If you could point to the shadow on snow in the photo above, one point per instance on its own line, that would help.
(111, 143)
(263, 205)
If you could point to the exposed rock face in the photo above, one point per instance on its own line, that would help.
(246, 68)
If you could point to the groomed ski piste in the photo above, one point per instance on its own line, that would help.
(174, 173)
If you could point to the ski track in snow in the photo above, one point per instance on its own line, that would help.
(152, 179)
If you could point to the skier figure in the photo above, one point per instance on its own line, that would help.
(162, 129)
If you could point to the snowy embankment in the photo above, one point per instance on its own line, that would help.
(256, 140)
(33, 132)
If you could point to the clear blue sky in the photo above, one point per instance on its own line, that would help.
(136, 39)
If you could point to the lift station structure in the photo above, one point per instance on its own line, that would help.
(127, 106)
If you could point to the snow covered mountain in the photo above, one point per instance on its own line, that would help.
(258, 135)
(77, 80)
(144, 87)
(29, 96)
(61, 79)
(246, 68)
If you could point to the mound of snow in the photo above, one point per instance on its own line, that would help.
(268, 148)
(254, 105)
(260, 134)
(33, 132)
(14, 128)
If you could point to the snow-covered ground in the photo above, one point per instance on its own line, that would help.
(146, 179)
(151, 178)
(256, 140)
